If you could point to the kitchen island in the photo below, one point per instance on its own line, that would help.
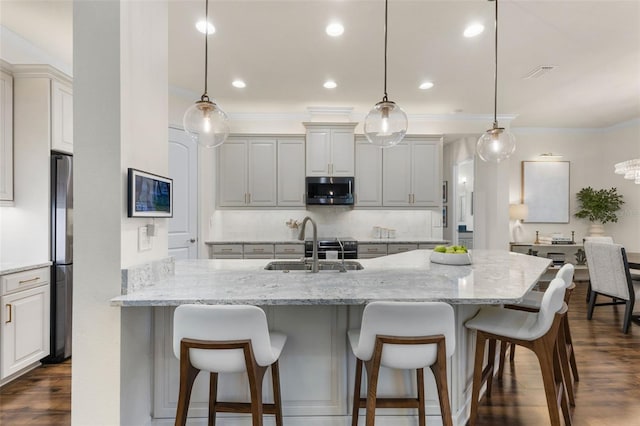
(315, 311)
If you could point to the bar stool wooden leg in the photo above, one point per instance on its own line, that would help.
(545, 353)
(372, 389)
(213, 396)
(490, 365)
(561, 349)
(439, 370)
(188, 375)
(275, 381)
(421, 409)
(356, 393)
(477, 376)
(561, 387)
(570, 352)
(503, 354)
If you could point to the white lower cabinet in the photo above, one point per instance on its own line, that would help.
(25, 320)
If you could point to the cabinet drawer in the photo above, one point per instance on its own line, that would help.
(24, 280)
(400, 248)
(250, 249)
(428, 246)
(371, 250)
(290, 249)
(226, 251)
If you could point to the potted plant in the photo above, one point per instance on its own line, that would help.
(599, 206)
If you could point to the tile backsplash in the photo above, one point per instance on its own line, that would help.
(331, 221)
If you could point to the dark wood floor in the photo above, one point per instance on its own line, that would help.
(608, 393)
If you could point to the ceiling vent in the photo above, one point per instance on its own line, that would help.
(539, 71)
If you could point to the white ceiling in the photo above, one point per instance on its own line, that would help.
(282, 52)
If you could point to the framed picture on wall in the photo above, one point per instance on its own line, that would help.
(545, 191)
(445, 190)
(445, 222)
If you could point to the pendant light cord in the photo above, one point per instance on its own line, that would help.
(495, 73)
(205, 96)
(386, 12)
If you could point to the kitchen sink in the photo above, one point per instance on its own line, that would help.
(323, 265)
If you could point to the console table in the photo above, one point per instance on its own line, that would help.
(567, 252)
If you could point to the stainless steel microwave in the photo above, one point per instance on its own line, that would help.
(331, 191)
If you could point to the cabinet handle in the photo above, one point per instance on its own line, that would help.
(28, 281)
(289, 250)
(249, 197)
(8, 305)
(192, 240)
(258, 250)
(227, 249)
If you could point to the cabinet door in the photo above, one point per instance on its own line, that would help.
(6, 137)
(318, 152)
(425, 174)
(25, 329)
(61, 117)
(261, 187)
(368, 174)
(342, 152)
(396, 177)
(291, 172)
(232, 173)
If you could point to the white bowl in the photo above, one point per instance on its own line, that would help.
(451, 258)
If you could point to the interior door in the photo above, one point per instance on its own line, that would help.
(183, 169)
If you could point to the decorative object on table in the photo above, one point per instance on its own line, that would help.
(581, 257)
(573, 237)
(204, 121)
(630, 169)
(546, 191)
(537, 241)
(518, 213)
(386, 124)
(599, 206)
(451, 255)
(532, 252)
(555, 239)
(497, 143)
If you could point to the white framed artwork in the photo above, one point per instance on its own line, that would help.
(545, 191)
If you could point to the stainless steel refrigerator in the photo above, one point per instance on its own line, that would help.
(61, 255)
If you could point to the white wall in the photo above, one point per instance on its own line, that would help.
(120, 121)
(24, 235)
(592, 153)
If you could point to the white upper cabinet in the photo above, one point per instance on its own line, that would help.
(247, 172)
(412, 173)
(291, 172)
(330, 149)
(368, 176)
(61, 117)
(6, 136)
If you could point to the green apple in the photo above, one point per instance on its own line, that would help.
(440, 249)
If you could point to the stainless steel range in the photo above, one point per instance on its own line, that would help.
(346, 245)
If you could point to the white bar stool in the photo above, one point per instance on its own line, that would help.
(531, 303)
(403, 335)
(537, 331)
(227, 339)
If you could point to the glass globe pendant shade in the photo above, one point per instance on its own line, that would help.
(385, 125)
(496, 145)
(206, 123)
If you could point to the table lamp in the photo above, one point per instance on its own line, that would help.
(518, 213)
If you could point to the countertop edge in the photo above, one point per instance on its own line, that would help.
(6, 270)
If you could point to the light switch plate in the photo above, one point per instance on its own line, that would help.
(144, 240)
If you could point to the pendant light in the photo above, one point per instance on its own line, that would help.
(386, 123)
(204, 121)
(497, 143)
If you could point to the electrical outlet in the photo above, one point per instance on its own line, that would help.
(144, 240)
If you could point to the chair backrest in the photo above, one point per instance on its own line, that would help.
(566, 274)
(552, 302)
(608, 269)
(598, 239)
(406, 319)
(222, 323)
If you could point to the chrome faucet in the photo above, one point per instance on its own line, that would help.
(342, 268)
(314, 266)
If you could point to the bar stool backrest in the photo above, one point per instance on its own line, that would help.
(552, 302)
(608, 270)
(221, 323)
(406, 319)
(566, 274)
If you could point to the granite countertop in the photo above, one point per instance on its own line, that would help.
(365, 240)
(496, 276)
(13, 267)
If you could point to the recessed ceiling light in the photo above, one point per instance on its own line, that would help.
(426, 85)
(330, 84)
(239, 84)
(335, 29)
(201, 25)
(473, 30)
